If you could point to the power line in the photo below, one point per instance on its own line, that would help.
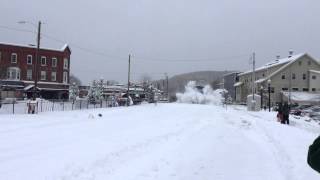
(17, 29)
(136, 59)
(82, 48)
(215, 59)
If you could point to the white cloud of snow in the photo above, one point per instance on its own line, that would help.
(194, 96)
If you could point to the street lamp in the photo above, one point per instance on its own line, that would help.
(269, 91)
(37, 54)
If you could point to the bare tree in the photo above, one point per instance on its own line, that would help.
(145, 78)
(75, 79)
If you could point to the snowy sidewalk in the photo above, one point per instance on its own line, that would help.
(168, 141)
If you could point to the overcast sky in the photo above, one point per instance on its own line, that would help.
(172, 36)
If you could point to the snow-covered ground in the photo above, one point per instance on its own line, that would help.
(148, 142)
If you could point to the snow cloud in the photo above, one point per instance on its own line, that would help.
(193, 95)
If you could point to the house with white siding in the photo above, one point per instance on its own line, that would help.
(295, 73)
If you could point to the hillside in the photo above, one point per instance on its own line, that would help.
(178, 82)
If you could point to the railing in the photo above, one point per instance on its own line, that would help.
(24, 107)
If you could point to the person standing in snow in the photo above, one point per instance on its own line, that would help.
(286, 111)
(314, 155)
(280, 113)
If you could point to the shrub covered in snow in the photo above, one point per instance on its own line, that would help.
(207, 95)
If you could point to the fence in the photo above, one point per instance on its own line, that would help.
(22, 107)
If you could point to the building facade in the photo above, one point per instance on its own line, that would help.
(18, 71)
(228, 83)
(296, 73)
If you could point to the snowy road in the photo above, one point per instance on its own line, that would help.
(168, 141)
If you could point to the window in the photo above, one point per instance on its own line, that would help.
(53, 76)
(283, 76)
(284, 89)
(29, 59)
(314, 77)
(14, 58)
(29, 74)
(305, 89)
(293, 76)
(295, 89)
(0, 56)
(43, 61)
(304, 76)
(54, 62)
(65, 77)
(271, 89)
(313, 89)
(262, 75)
(65, 63)
(300, 63)
(13, 73)
(43, 75)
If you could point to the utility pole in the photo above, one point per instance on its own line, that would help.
(36, 62)
(167, 78)
(129, 64)
(253, 74)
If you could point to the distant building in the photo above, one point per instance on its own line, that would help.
(228, 83)
(17, 71)
(295, 73)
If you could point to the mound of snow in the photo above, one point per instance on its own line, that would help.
(192, 95)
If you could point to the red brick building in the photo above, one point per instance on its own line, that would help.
(18, 71)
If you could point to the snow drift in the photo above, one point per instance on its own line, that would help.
(192, 95)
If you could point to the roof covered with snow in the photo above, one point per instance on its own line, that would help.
(302, 96)
(62, 49)
(276, 63)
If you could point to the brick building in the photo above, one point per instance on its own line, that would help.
(18, 71)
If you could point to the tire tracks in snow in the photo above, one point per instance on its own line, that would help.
(281, 156)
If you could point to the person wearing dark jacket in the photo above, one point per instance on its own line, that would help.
(280, 113)
(286, 111)
(314, 155)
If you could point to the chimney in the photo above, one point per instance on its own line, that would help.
(277, 57)
(290, 54)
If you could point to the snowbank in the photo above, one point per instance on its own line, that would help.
(194, 96)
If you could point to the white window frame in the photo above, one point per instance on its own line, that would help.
(29, 55)
(54, 59)
(65, 77)
(29, 76)
(65, 63)
(16, 59)
(54, 74)
(43, 75)
(13, 72)
(45, 60)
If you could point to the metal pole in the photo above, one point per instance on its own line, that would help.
(269, 89)
(36, 62)
(167, 87)
(261, 98)
(129, 64)
(253, 74)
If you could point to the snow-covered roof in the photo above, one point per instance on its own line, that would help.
(238, 84)
(276, 63)
(314, 71)
(302, 96)
(62, 49)
(260, 80)
(28, 87)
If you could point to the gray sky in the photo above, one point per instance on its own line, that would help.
(172, 36)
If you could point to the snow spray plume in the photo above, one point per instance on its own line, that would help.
(192, 95)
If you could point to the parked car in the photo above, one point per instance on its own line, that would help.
(299, 109)
(311, 111)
